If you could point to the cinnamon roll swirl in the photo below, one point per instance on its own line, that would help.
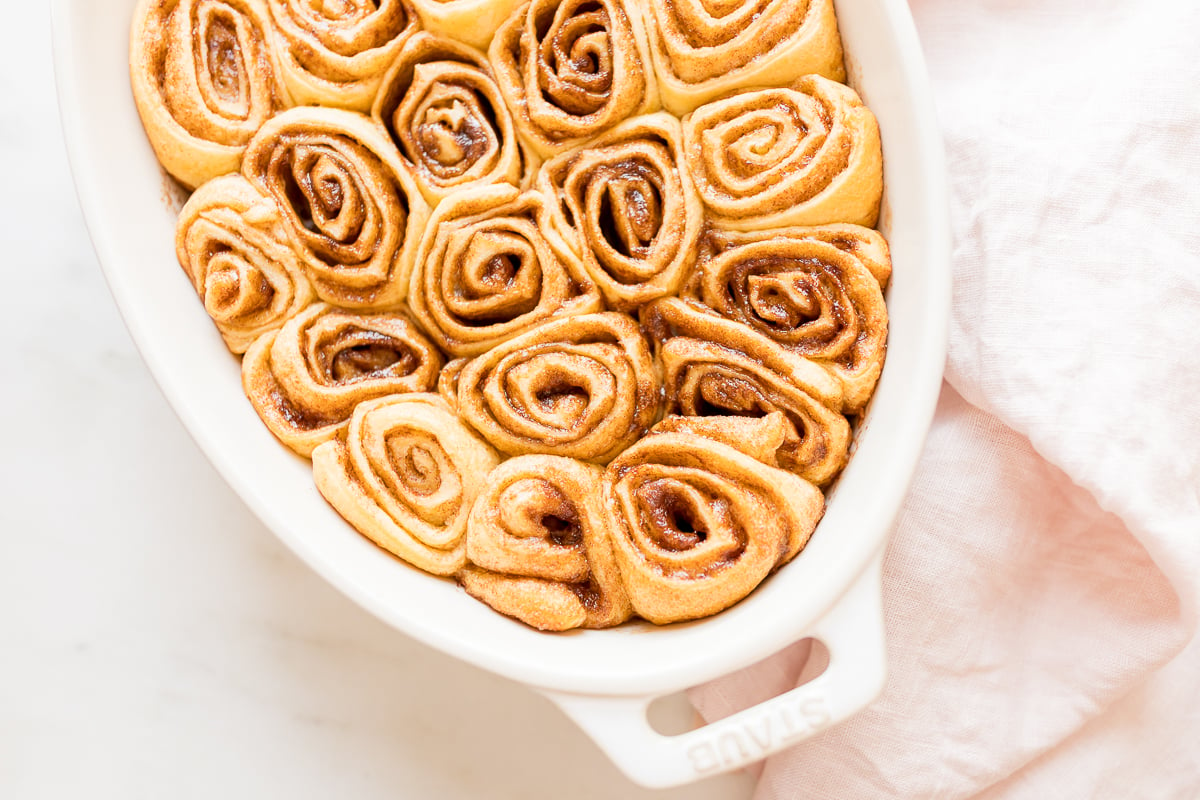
(486, 272)
(350, 208)
(715, 367)
(815, 291)
(404, 474)
(334, 52)
(702, 49)
(444, 111)
(626, 204)
(470, 21)
(229, 242)
(570, 69)
(582, 387)
(538, 538)
(204, 78)
(305, 379)
(700, 523)
(808, 154)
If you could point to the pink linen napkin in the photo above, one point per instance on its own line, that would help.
(1042, 582)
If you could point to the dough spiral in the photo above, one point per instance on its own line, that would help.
(229, 242)
(713, 367)
(404, 474)
(487, 271)
(570, 69)
(626, 204)
(538, 538)
(582, 387)
(700, 523)
(305, 379)
(334, 52)
(815, 291)
(205, 79)
(805, 155)
(702, 49)
(442, 108)
(351, 209)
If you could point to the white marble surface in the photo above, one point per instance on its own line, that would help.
(155, 639)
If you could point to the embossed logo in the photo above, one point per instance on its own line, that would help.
(750, 739)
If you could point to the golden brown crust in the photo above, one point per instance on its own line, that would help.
(582, 387)
(808, 154)
(335, 53)
(229, 242)
(305, 379)
(404, 473)
(625, 203)
(487, 271)
(714, 367)
(538, 540)
(473, 22)
(351, 210)
(205, 79)
(700, 523)
(703, 49)
(443, 110)
(570, 69)
(814, 291)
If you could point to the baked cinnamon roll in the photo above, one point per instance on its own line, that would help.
(334, 52)
(305, 379)
(627, 206)
(713, 367)
(808, 154)
(538, 540)
(470, 21)
(702, 49)
(582, 387)
(443, 110)
(404, 473)
(230, 243)
(351, 209)
(205, 79)
(815, 291)
(700, 523)
(570, 69)
(487, 272)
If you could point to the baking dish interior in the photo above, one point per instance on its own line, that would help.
(130, 212)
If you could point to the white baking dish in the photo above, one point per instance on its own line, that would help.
(603, 679)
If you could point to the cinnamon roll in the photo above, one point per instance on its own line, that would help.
(815, 291)
(334, 52)
(808, 154)
(470, 21)
(305, 379)
(700, 523)
(626, 204)
(716, 367)
(570, 69)
(229, 242)
(486, 272)
(444, 111)
(702, 49)
(404, 474)
(350, 208)
(538, 540)
(204, 78)
(582, 387)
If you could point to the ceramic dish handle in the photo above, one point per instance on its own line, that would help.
(852, 631)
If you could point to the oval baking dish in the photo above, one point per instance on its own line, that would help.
(604, 679)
